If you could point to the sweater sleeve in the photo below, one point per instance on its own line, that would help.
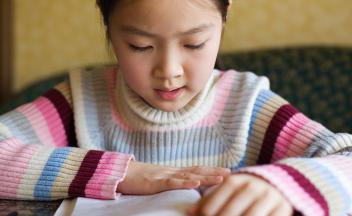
(309, 164)
(39, 158)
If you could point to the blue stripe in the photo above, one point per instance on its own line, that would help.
(51, 169)
(263, 96)
(96, 104)
(19, 126)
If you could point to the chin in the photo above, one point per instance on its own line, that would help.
(170, 107)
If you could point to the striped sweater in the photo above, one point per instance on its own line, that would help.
(79, 137)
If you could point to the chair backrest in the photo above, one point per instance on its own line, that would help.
(316, 80)
(32, 92)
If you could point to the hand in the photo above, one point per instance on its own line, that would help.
(143, 178)
(243, 194)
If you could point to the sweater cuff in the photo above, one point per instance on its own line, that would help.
(108, 170)
(303, 195)
(46, 173)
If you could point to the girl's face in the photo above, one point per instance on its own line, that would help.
(166, 49)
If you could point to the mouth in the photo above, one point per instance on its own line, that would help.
(170, 94)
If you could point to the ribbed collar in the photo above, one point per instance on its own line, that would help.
(132, 104)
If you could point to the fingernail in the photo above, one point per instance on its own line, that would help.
(227, 170)
(194, 184)
(219, 178)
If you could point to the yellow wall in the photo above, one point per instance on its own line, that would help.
(258, 24)
(58, 34)
(53, 35)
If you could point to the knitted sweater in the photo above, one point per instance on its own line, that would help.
(235, 122)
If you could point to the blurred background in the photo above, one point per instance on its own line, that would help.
(50, 36)
(41, 38)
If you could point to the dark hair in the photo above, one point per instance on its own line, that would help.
(106, 7)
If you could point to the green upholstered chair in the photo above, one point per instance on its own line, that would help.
(316, 80)
(31, 92)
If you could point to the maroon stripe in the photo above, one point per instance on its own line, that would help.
(307, 186)
(65, 112)
(281, 117)
(85, 173)
(297, 213)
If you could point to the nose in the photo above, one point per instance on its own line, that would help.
(168, 66)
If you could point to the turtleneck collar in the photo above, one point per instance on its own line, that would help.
(134, 109)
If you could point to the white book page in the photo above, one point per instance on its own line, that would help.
(170, 203)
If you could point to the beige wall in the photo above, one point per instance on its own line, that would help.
(58, 34)
(256, 24)
(55, 35)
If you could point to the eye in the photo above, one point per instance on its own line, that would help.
(139, 49)
(195, 47)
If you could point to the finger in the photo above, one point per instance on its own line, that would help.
(282, 210)
(212, 171)
(211, 180)
(264, 205)
(204, 180)
(174, 183)
(242, 200)
(215, 200)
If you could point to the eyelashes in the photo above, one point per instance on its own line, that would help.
(139, 49)
(195, 47)
(147, 48)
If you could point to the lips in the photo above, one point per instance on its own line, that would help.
(169, 95)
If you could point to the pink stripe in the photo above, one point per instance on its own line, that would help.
(53, 120)
(292, 191)
(95, 184)
(287, 136)
(118, 174)
(19, 155)
(37, 122)
(110, 77)
(223, 91)
(107, 174)
(305, 136)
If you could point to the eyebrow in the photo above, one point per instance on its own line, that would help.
(137, 31)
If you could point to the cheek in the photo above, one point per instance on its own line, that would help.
(136, 75)
(201, 65)
(126, 59)
(206, 57)
(127, 64)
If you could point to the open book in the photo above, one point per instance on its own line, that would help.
(168, 203)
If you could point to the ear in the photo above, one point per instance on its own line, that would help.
(229, 5)
(228, 8)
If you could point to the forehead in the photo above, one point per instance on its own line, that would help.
(158, 3)
(165, 15)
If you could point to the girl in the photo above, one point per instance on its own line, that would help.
(167, 108)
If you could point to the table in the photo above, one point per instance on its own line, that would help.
(19, 208)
